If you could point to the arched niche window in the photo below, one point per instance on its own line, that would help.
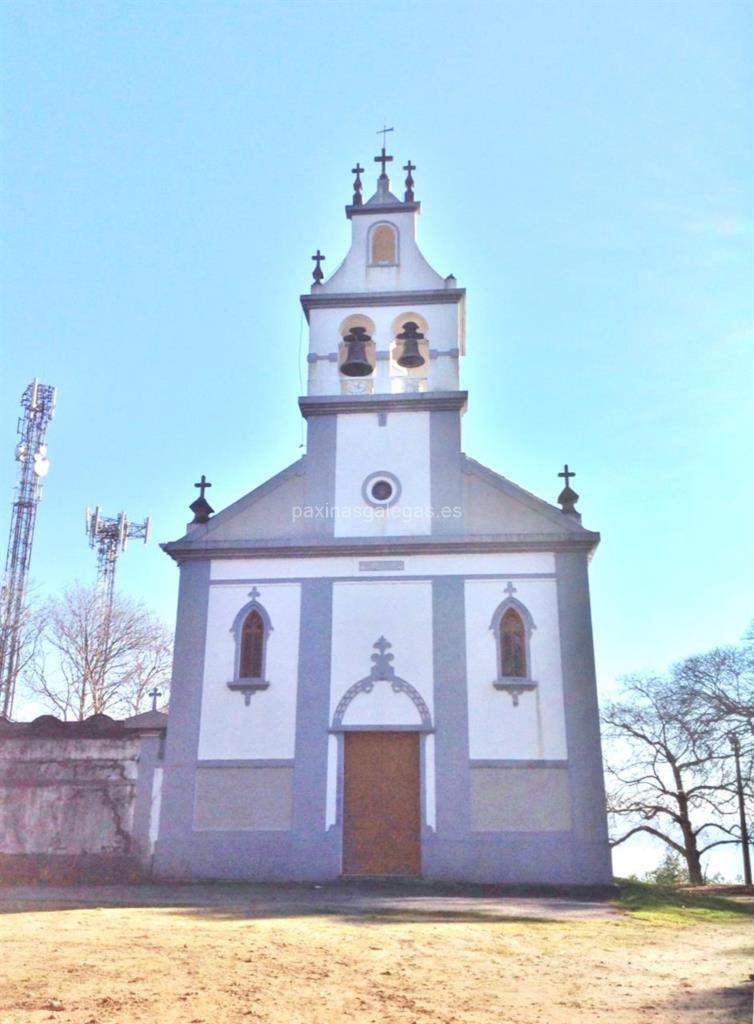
(512, 626)
(251, 660)
(512, 646)
(383, 245)
(251, 630)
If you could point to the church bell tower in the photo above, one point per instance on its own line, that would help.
(383, 403)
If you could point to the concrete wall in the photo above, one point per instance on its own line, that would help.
(74, 805)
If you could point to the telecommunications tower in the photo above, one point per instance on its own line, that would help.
(110, 535)
(38, 404)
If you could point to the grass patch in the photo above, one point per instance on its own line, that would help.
(666, 904)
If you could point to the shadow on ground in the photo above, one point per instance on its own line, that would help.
(363, 902)
(732, 1004)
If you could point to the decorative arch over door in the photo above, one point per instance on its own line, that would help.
(382, 671)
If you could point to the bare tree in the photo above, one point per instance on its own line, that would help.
(26, 635)
(88, 661)
(718, 687)
(669, 775)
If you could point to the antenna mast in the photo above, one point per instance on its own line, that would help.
(110, 536)
(38, 404)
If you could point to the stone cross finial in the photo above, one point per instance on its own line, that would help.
(202, 485)
(358, 170)
(254, 593)
(201, 507)
(408, 196)
(510, 590)
(154, 693)
(317, 272)
(383, 158)
(568, 497)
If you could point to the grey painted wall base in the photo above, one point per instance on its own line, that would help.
(550, 858)
(251, 856)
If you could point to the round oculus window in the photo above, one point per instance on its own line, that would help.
(381, 489)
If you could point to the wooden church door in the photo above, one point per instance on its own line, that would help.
(381, 804)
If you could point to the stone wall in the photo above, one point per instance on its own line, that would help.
(78, 799)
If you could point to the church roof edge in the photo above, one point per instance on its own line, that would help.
(429, 296)
(584, 540)
(502, 483)
(326, 405)
(394, 206)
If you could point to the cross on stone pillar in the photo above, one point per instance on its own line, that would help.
(383, 158)
(154, 693)
(317, 272)
(568, 497)
(408, 196)
(201, 507)
(358, 170)
(202, 485)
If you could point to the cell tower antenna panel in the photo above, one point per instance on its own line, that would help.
(38, 404)
(109, 535)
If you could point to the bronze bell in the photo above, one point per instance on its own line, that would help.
(356, 363)
(411, 357)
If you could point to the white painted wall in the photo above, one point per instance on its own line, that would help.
(400, 447)
(501, 566)
(266, 728)
(401, 611)
(355, 275)
(498, 730)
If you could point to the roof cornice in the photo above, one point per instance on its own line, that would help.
(328, 405)
(357, 300)
(322, 548)
(399, 207)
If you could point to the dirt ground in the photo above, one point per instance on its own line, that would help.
(363, 954)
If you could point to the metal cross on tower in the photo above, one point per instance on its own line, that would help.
(110, 535)
(38, 403)
(383, 132)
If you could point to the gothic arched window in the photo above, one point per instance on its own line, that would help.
(512, 646)
(252, 647)
(383, 245)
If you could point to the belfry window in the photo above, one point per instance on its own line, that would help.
(383, 245)
(252, 647)
(512, 646)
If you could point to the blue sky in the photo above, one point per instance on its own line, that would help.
(585, 171)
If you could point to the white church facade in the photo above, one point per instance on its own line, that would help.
(384, 661)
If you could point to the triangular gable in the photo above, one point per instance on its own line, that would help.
(495, 505)
(264, 513)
